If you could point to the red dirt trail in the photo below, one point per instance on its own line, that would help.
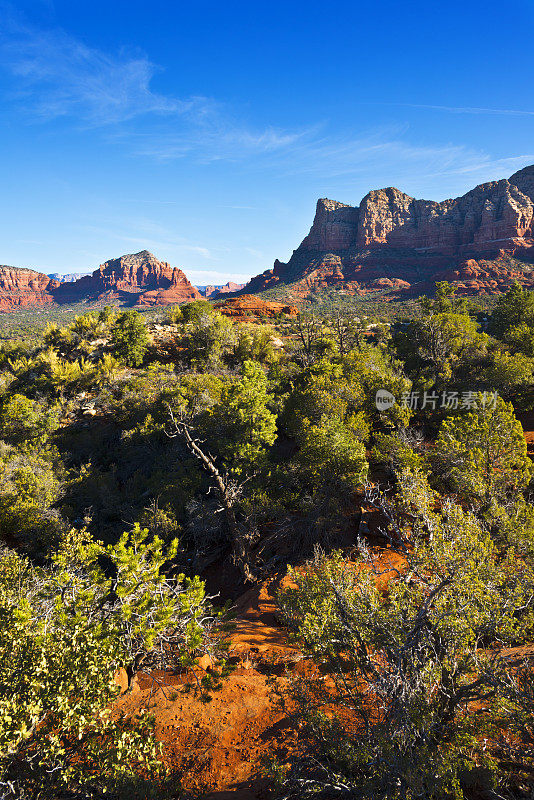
(217, 747)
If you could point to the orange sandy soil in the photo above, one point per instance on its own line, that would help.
(217, 747)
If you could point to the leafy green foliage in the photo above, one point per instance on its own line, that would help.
(65, 631)
(407, 669)
(24, 420)
(129, 338)
(513, 320)
(483, 452)
(441, 346)
(330, 451)
(195, 311)
(284, 418)
(206, 336)
(255, 342)
(247, 425)
(29, 489)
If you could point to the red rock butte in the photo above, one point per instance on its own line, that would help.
(482, 242)
(137, 279)
(215, 291)
(391, 243)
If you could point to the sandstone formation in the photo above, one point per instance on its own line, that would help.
(249, 307)
(137, 279)
(132, 278)
(24, 287)
(179, 290)
(482, 241)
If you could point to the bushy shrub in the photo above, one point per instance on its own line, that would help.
(482, 452)
(129, 338)
(65, 631)
(396, 719)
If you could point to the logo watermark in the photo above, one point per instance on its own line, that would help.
(384, 399)
(447, 400)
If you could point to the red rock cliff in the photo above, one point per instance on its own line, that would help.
(129, 277)
(179, 290)
(139, 279)
(24, 287)
(391, 235)
(135, 278)
(249, 307)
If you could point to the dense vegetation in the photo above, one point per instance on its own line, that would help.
(136, 452)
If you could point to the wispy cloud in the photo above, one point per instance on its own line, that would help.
(387, 152)
(202, 277)
(217, 137)
(512, 112)
(59, 76)
(316, 152)
(152, 236)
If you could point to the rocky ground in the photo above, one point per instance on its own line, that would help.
(217, 747)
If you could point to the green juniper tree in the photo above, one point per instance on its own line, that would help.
(129, 338)
(482, 453)
(246, 423)
(512, 319)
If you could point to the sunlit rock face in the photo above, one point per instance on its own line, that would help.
(483, 240)
(136, 279)
(24, 287)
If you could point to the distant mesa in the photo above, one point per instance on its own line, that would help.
(137, 279)
(215, 291)
(391, 242)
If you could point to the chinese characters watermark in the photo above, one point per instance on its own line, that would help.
(447, 399)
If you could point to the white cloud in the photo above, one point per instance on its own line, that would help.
(385, 157)
(207, 277)
(59, 76)
(152, 236)
(215, 137)
(381, 156)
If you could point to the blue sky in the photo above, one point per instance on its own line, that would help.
(206, 131)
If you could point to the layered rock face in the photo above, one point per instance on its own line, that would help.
(393, 237)
(136, 279)
(24, 287)
(179, 290)
(249, 307)
(133, 273)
